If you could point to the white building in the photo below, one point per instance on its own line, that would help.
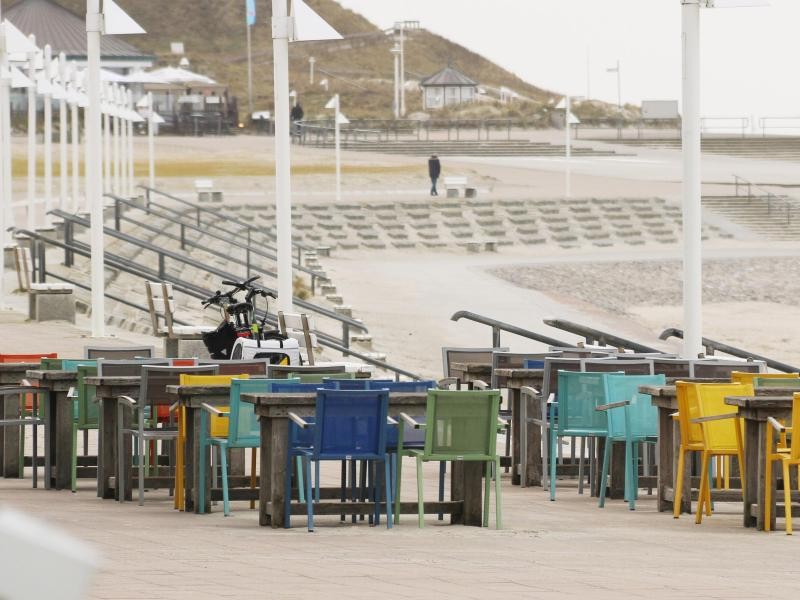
(446, 88)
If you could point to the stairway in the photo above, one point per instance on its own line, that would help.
(776, 148)
(775, 218)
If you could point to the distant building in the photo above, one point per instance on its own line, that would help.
(65, 31)
(446, 88)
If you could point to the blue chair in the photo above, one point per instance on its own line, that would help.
(243, 430)
(573, 413)
(631, 418)
(349, 425)
(533, 364)
(354, 384)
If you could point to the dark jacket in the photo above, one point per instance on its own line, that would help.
(434, 168)
(297, 113)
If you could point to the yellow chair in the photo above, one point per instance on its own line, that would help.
(218, 426)
(742, 377)
(789, 457)
(711, 427)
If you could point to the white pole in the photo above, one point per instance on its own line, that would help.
(107, 96)
(311, 61)
(123, 144)
(619, 88)
(131, 164)
(283, 186)
(249, 70)
(151, 171)
(568, 147)
(116, 150)
(337, 138)
(76, 134)
(32, 138)
(396, 53)
(48, 137)
(402, 70)
(5, 188)
(94, 26)
(692, 211)
(62, 134)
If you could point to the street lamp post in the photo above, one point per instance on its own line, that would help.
(31, 204)
(396, 103)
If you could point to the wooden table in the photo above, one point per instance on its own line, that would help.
(273, 409)
(11, 374)
(529, 439)
(58, 425)
(467, 373)
(771, 402)
(190, 397)
(107, 390)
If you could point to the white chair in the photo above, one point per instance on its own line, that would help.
(298, 326)
(161, 303)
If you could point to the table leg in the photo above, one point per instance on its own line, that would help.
(754, 469)
(758, 430)
(265, 472)
(514, 401)
(277, 450)
(190, 463)
(62, 439)
(107, 449)
(9, 439)
(617, 490)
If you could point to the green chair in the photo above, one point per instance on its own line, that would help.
(51, 364)
(85, 415)
(320, 377)
(632, 419)
(792, 383)
(461, 426)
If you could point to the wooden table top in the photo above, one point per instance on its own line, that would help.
(670, 391)
(472, 368)
(278, 405)
(113, 380)
(773, 402)
(14, 367)
(39, 375)
(518, 373)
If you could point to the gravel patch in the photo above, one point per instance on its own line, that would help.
(616, 286)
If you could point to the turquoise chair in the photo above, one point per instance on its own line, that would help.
(573, 412)
(632, 419)
(243, 430)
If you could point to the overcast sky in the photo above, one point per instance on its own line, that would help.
(750, 55)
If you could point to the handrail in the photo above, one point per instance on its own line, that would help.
(220, 215)
(595, 336)
(772, 199)
(119, 216)
(162, 253)
(498, 326)
(712, 345)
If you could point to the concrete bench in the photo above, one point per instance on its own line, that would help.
(454, 185)
(206, 192)
(323, 250)
(460, 235)
(51, 302)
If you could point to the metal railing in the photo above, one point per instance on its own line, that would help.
(725, 124)
(595, 336)
(765, 123)
(203, 232)
(499, 326)
(162, 255)
(775, 204)
(124, 265)
(712, 346)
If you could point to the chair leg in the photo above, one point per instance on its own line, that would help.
(677, 500)
(309, 502)
(787, 497)
(398, 478)
(343, 487)
(704, 484)
(601, 501)
(553, 449)
(387, 484)
(420, 495)
(301, 480)
(631, 465)
(74, 459)
(291, 462)
(35, 453)
(120, 482)
(580, 465)
(442, 472)
(508, 446)
(498, 499)
(223, 461)
(487, 487)
(362, 485)
(545, 434)
(253, 452)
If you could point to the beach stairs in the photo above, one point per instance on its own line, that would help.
(772, 218)
(769, 148)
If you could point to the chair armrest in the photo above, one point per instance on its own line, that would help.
(20, 389)
(173, 407)
(443, 384)
(391, 421)
(551, 399)
(213, 410)
(612, 405)
(411, 421)
(715, 418)
(299, 420)
(72, 392)
(674, 416)
(777, 425)
(527, 390)
(480, 385)
(127, 400)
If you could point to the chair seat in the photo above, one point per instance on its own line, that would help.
(151, 434)
(349, 367)
(187, 329)
(51, 287)
(301, 338)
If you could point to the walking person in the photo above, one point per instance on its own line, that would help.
(434, 170)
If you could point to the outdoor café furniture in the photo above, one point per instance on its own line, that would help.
(55, 386)
(788, 456)
(709, 426)
(20, 421)
(766, 378)
(118, 352)
(85, 417)
(273, 409)
(349, 425)
(461, 426)
(161, 304)
(283, 371)
(152, 394)
(631, 419)
(12, 373)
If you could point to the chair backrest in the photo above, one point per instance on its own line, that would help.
(795, 451)
(672, 367)
(629, 367)
(243, 428)
(298, 322)
(711, 402)
(579, 394)
(186, 362)
(722, 369)
(155, 303)
(126, 368)
(155, 379)
(218, 426)
(330, 383)
(776, 382)
(471, 356)
(688, 409)
(26, 358)
(69, 364)
(283, 371)
(119, 353)
(402, 386)
(514, 360)
(351, 423)
(24, 266)
(551, 368)
(88, 410)
(232, 367)
(749, 377)
(320, 377)
(294, 386)
(642, 417)
(462, 423)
